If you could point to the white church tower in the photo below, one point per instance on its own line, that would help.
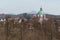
(41, 15)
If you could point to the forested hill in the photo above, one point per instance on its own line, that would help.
(25, 15)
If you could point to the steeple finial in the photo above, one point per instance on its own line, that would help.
(41, 9)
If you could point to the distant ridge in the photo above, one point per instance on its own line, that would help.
(2, 16)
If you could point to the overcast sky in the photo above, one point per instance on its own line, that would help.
(21, 6)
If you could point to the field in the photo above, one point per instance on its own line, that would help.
(30, 29)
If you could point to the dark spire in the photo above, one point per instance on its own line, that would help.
(41, 9)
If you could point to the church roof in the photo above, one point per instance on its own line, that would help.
(41, 12)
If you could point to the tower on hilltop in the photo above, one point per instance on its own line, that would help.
(41, 15)
(41, 12)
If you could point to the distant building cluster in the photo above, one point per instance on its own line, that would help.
(39, 27)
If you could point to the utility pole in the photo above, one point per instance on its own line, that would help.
(22, 24)
(6, 28)
(51, 34)
(55, 27)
